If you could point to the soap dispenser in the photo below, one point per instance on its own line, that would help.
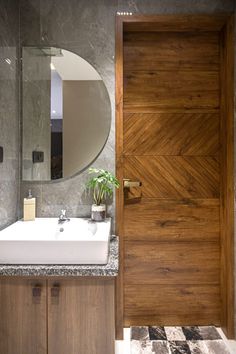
(29, 207)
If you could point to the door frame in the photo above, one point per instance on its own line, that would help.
(224, 24)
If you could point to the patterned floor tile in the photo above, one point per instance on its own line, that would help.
(209, 333)
(139, 333)
(216, 347)
(177, 340)
(160, 347)
(198, 347)
(141, 347)
(174, 333)
(157, 333)
(179, 347)
(192, 333)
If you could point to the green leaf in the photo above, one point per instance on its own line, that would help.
(102, 184)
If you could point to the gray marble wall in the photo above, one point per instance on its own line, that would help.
(88, 29)
(9, 117)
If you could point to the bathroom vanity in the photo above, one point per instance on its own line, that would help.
(58, 308)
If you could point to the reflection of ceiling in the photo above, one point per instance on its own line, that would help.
(72, 67)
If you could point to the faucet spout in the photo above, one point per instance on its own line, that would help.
(62, 217)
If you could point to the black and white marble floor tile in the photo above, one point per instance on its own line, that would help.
(160, 347)
(141, 347)
(157, 333)
(140, 333)
(150, 347)
(192, 333)
(179, 347)
(177, 340)
(216, 347)
(174, 334)
(209, 333)
(198, 347)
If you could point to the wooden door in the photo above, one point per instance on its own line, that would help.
(23, 316)
(81, 316)
(169, 137)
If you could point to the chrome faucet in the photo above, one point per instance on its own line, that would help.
(62, 217)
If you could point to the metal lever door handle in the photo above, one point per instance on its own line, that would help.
(129, 184)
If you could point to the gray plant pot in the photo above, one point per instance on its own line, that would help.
(98, 212)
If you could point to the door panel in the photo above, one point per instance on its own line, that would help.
(172, 219)
(171, 143)
(171, 263)
(165, 305)
(181, 89)
(198, 134)
(190, 51)
(175, 176)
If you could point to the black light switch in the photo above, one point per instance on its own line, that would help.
(38, 156)
(1, 154)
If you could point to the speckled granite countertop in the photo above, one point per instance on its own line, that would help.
(69, 270)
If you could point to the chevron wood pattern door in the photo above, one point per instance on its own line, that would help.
(170, 140)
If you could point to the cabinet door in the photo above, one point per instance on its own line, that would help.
(23, 316)
(81, 316)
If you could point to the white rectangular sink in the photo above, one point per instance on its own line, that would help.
(45, 241)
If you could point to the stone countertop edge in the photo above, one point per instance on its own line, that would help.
(67, 270)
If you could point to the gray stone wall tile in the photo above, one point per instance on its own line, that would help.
(9, 114)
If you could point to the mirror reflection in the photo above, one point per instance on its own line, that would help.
(66, 114)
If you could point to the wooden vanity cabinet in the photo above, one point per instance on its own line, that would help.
(67, 315)
(81, 316)
(23, 316)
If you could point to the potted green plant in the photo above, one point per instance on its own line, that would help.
(101, 185)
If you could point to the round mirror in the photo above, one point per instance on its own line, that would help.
(66, 114)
